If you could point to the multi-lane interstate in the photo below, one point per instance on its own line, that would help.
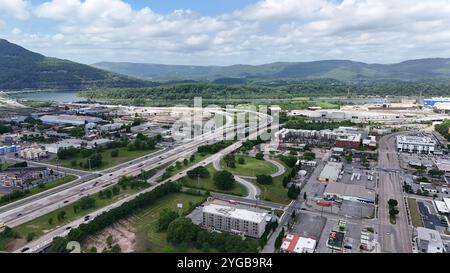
(31, 210)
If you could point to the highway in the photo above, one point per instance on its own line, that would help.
(32, 208)
(393, 238)
(31, 211)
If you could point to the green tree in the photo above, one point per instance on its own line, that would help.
(30, 236)
(392, 202)
(166, 216)
(178, 165)
(264, 179)
(59, 245)
(224, 180)
(61, 215)
(259, 156)
(181, 230)
(115, 153)
(50, 221)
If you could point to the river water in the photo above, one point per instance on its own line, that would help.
(63, 96)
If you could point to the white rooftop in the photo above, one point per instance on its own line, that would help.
(415, 140)
(242, 214)
(441, 206)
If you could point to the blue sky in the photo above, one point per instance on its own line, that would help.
(225, 32)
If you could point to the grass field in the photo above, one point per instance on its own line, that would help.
(414, 212)
(146, 223)
(41, 225)
(252, 167)
(108, 161)
(53, 184)
(274, 192)
(208, 184)
(198, 157)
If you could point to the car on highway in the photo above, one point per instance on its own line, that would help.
(20, 214)
(66, 201)
(2, 225)
(67, 228)
(87, 218)
(111, 174)
(25, 249)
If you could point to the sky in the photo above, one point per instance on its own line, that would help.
(226, 32)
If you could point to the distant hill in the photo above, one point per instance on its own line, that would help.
(342, 70)
(22, 69)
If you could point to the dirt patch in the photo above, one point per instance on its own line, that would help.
(122, 233)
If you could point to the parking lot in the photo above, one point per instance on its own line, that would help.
(356, 210)
(430, 218)
(310, 226)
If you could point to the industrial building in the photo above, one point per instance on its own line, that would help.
(330, 172)
(344, 137)
(18, 177)
(441, 207)
(235, 220)
(69, 119)
(8, 150)
(33, 153)
(349, 192)
(354, 116)
(429, 241)
(294, 243)
(110, 127)
(415, 144)
(54, 148)
(433, 101)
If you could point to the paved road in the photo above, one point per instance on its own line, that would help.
(228, 197)
(393, 238)
(253, 190)
(75, 172)
(134, 170)
(48, 202)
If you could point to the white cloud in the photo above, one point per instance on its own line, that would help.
(16, 8)
(270, 30)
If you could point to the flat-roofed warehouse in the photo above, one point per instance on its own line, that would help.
(415, 144)
(330, 172)
(350, 192)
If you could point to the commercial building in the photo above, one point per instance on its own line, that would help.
(433, 101)
(415, 144)
(294, 243)
(350, 192)
(344, 137)
(370, 141)
(349, 141)
(235, 220)
(69, 119)
(330, 172)
(443, 165)
(33, 153)
(441, 207)
(54, 148)
(429, 241)
(8, 150)
(18, 177)
(110, 127)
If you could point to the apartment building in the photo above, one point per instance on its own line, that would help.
(234, 220)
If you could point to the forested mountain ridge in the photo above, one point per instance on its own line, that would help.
(23, 69)
(342, 70)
